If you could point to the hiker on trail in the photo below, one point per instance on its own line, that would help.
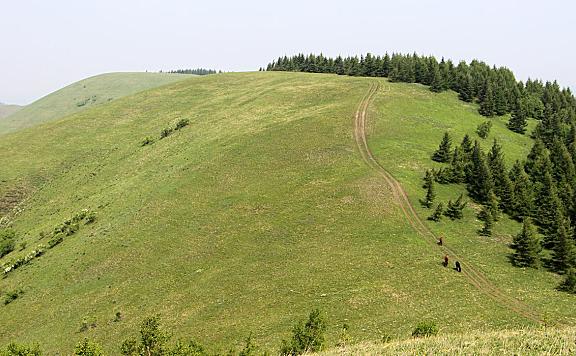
(440, 241)
(458, 268)
(445, 263)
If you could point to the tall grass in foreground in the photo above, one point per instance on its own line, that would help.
(551, 341)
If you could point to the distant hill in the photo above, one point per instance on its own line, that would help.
(84, 94)
(7, 110)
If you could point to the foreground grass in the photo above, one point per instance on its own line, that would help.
(82, 95)
(258, 211)
(549, 341)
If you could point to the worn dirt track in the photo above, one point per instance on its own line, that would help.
(471, 273)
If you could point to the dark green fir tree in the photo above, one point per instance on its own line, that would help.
(430, 195)
(518, 119)
(569, 283)
(485, 216)
(522, 205)
(526, 246)
(480, 182)
(444, 151)
(488, 104)
(438, 212)
(564, 251)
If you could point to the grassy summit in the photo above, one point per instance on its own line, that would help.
(84, 94)
(257, 211)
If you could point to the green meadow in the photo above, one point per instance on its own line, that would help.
(243, 221)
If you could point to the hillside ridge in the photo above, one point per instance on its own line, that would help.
(83, 94)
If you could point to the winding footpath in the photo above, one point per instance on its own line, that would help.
(471, 273)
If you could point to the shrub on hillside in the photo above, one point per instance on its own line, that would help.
(21, 350)
(569, 283)
(425, 329)
(249, 348)
(153, 341)
(182, 123)
(87, 348)
(166, 132)
(147, 141)
(306, 337)
(11, 296)
(55, 240)
(483, 130)
(7, 241)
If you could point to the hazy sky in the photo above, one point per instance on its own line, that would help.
(45, 45)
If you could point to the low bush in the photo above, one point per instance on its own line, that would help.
(21, 350)
(569, 283)
(306, 337)
(425, 329)
(166, 132)
(7, 241)
(55, 240)
(11, 296)
(87, 348)
(147, 141)
(483, 130)
(182, 123)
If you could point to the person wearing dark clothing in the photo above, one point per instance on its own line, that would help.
(445, 263)
(458, 268)
(440, 241)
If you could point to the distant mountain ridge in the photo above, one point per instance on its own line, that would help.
(7, 110)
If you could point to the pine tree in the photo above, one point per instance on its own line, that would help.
(526, 246)
(428, 179)
(467, 146)
(443, 175)
(500, 102)
(444, 152)
(466, 92)
(562, 164)
(549, 208)
(517, 122)
(437, 215)
(488, 105)
(480, 182)
(522, 205)
(564, 252)
(458, 166)
(454, 209)
(492, 206)
(538, 162)
(569, 283)
(430, 195)
(437, 84)
(486, 216)
(502, 185)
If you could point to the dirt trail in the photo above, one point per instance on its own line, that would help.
(471, 273)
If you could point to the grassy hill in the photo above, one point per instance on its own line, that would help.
(261, 209)
(7, 110)
(84, 94)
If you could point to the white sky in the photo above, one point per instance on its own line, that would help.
(45, 45)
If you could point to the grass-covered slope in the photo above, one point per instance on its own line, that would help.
(549, 341)
(7, 110)
(407, 126)
(84, 94)
(259, 210)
